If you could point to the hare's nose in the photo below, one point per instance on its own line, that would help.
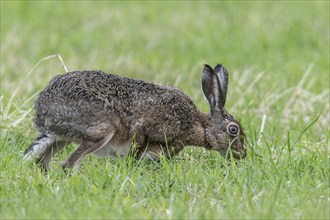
(243, 152)
(243, 149)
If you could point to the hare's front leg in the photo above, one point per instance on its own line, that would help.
(150, 152)
(84, 149)
(154, 151)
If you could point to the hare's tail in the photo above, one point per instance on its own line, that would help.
(38, 146)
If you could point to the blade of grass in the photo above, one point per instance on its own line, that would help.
(261, 129)
(306, 128)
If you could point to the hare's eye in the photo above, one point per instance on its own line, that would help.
(232, 129)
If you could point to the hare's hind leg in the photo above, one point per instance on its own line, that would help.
(42, 149)
(44, 159)
(85, 148)
(38, 146)
(38, 149)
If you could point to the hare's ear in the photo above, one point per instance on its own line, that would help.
(212, 90)
(222, 74)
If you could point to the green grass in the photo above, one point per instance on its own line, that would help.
(278, 57)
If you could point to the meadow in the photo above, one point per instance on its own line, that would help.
(277, 54)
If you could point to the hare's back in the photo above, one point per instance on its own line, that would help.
(96, 86)
(90, 97)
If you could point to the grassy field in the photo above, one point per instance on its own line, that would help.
(278, 57)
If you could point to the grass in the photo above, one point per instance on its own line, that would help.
(278, 57)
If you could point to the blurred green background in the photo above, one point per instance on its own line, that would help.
(173, 38)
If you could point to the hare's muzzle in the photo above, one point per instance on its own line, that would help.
(238, 150)
(240, 154)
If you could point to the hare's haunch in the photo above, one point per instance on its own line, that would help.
(106, 113)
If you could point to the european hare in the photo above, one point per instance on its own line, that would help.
(105, 113)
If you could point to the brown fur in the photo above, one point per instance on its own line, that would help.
(97, 109)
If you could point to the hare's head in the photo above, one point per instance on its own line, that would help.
(223, 133)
